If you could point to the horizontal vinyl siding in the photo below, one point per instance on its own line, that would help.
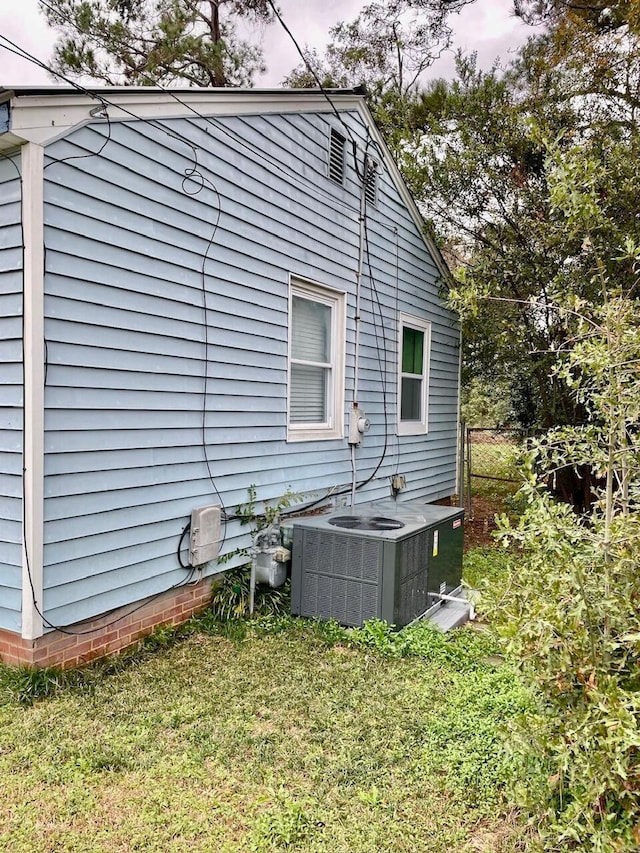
(10, 395)
(127, 237)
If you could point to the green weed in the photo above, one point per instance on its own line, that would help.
(230, 598)
(284, 826)
(296, 736)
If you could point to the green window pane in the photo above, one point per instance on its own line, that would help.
(411, 400)
(412, 350)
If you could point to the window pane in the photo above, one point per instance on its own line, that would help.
(308, 394)
(411, 400)
(412, 350)
(311, 330)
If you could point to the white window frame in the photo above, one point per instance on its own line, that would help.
(420, 427)
(333, 427)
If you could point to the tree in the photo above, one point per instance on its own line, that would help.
(481, 179)
(604, 15)
(142, 42)
(481, 183)
(386, 48)
(569, 611)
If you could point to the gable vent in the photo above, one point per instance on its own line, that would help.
(336, 157)
(371, 182)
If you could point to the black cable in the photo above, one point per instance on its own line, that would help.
(103, 99)
(148, 600)
(107, 139)
(215, 123)
(396, 316)
(381, 357)
(312, 71)
(205, 394)
(187, 528)
(190, 174)
(195, 173)
(25, 540)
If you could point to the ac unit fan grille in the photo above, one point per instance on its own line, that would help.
(341, 577)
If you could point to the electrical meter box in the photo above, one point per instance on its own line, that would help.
(204, 541)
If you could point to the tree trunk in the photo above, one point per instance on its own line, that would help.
(217, 75)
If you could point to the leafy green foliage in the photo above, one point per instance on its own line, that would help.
(483, 406)
(486, 568)
(142, 42)
(569, 615)
(249, 514)
(386, 48)
(23, 685)
(230, 598)
(285, 825)
(568, 619)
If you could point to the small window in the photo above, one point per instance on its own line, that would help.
(316, 362)
(413, 375)
(336, 156)
(371, 182)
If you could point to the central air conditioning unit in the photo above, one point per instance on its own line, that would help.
(381, 560)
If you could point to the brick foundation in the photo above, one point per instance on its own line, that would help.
(107, 637)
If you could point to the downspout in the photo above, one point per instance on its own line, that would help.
(461, 429)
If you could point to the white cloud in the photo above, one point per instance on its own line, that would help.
(27, 28)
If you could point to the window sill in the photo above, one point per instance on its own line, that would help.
(311, 434)
(413, 428)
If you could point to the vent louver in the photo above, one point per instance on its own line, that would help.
(336, 157)
(371, 182)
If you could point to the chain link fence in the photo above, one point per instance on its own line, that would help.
(489, 472)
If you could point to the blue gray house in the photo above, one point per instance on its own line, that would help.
(198, 287)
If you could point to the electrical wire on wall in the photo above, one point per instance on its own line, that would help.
(397, 320)
(211, 121)
(197, 175)
(25, 538)
(315, 76)
(363, 242)
(361, 173)
(381, 351)
(192, 175)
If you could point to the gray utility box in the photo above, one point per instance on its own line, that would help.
(390, 572)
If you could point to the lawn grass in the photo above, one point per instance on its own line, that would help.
(276, 735)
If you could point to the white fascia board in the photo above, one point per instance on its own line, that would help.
(42, 118)
(33, 402)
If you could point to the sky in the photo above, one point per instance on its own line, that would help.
(486, 26)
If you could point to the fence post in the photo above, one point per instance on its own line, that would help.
(469, 500)
(461, 435)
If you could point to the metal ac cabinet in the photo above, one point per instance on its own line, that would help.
(355, 575)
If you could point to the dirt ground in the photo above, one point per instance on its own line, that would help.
(478, 532)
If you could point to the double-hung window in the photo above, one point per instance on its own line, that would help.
(316, 362)
(413, 375)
